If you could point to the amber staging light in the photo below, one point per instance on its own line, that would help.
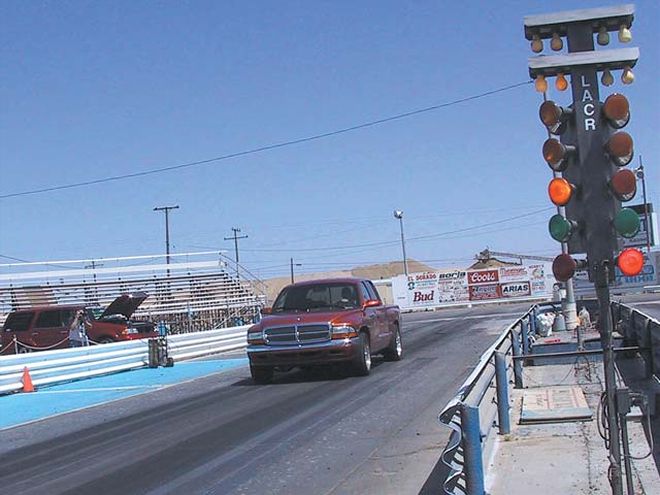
(630, 261)
(561, 83)
(556, 154)
(560, 191)
(627, 77)
(540, 84)
(556, 43)
(537, 44)
(603, 37)
(607, 78)
(625, 36)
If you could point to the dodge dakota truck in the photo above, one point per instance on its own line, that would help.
(339, 321)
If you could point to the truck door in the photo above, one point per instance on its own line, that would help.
(371, 318)
(385, 333)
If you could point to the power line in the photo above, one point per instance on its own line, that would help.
(268, 147)
(417, 238)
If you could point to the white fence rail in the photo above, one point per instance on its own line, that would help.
(64, 365)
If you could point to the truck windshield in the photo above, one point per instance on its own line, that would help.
(317, 297)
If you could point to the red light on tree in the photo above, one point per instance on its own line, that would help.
(630, 262)
(624, 184)
(563, 267)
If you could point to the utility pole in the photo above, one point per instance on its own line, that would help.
(236, 237)
(292, 265)
(167, 209)
(398, 214)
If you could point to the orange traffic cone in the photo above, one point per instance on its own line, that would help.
(27, 381)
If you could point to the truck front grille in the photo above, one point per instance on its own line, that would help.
(298, 334)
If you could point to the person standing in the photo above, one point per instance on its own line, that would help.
(78, 330)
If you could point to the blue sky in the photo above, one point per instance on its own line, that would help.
(97, 89)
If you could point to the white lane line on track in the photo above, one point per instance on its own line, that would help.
(477, 317)
(100, 389)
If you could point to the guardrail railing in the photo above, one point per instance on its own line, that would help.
(64, 365)
(640, 330)
(481, 403)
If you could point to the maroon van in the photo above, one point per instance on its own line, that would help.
(48, 326)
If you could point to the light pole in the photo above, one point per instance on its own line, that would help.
(639, 172)
(399, 215)
(167, 209)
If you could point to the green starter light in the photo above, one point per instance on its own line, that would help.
(560, 228)
(626, 222)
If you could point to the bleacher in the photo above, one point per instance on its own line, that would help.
(188, 295)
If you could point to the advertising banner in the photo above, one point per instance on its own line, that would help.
(434, 289)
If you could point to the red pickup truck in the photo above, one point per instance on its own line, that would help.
(321, 322)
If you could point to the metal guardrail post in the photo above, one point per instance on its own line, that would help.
(502, 384)
(517, 363)
(524, 335)
(472, 452)
(532, 320)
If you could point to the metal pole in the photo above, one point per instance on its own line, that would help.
(167, 209)
(524, 336)
(399, 215)
(291, 270)
(601, 271)
(517, 363)
(640, 174)
(568, 304)
(236, 237)
(473, 467)
(403, 248)
(502, 385)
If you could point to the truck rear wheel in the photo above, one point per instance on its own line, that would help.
(394, 351)
(261, 374)
(362, 365)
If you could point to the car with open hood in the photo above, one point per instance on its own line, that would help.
(47, 327)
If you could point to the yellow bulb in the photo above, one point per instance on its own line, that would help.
(541, 85)
(537, 44)
(607, 78)
(627, 77)
(625, 36)
(603, 37)
(561, 83)
(556, 43)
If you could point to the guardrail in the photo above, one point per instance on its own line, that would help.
(640, 330)
(481, 403)
(64, 365)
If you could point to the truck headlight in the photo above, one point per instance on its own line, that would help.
(343, 331)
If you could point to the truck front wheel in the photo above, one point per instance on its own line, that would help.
(362, 364)
(261, 374)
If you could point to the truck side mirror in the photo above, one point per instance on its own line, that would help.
(370, 303)
(266, 311)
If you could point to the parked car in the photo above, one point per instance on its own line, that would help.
(320, 322)
(48, 326)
